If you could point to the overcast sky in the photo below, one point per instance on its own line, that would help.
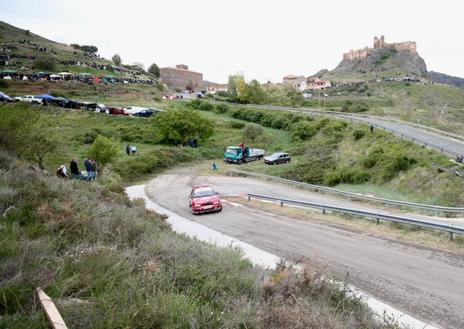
(262, 39)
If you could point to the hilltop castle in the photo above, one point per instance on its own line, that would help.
(380, 43)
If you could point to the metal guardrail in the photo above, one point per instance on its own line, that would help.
(318, 188)
(392, 218)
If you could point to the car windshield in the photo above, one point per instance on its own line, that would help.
(232, 150)
(274, 155)
(203, 191)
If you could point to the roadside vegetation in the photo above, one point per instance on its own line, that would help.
(109, 263)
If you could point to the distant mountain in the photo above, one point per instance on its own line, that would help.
(445, 78)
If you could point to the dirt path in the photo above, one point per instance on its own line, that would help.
(426, 283)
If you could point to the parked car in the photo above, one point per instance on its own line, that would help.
(204, 199)
(144, 113)
(5, 98)
(276, 158)
(116, 110)
(133, 110)
(29, 99)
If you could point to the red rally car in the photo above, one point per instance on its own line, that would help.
(203, 199)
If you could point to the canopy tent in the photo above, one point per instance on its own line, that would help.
(65, 73)
(7, 72)
(46, 97)
(84, 74)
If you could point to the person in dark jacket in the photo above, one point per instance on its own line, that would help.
(89, 168)
(74, 169)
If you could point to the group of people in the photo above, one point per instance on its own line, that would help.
(90, 173)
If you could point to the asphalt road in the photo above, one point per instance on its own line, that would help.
(424, 282)
(449, 145)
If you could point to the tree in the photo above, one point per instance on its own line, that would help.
(179, 126)
(45, 63)
(252, 131)
(28, 134)
(89, 49)
(154, 69)
(103, 150)
(75, 46)
(116, 59)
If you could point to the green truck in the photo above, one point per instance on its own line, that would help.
(238, 154)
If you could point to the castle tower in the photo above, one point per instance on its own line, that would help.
(379, 42)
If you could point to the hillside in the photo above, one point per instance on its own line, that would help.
(383, 62)
(25, 52)
(445, 79)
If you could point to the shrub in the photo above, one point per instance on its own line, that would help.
(358, 134)
(206, 106)
(347, 175)
(236, 125)
(302, 131)
(103, 150)
(157, 99)
(398, 163)
(252, 131)
(45, 63)
(221, 108)
(195, 104)
(4, 84)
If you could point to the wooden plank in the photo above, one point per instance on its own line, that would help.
(50, 310)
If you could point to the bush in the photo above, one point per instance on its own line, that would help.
(347, 175)
(221, 108)
(205, 106)
(236, 125)
(45, 63)
(4, 84)
(358, 134)
(157, 99)
(252, 131)
(103, 150)
(302, 131)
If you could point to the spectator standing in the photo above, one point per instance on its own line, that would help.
(133, 149)
(89, 168)
(74, 169)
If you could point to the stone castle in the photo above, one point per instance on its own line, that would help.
(379, 43)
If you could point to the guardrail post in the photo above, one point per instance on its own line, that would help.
(249, 197)
(451, 236)
(281, 204)
(441, 150)
(323, 211)
(378, 221)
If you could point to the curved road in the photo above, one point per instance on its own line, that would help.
(434, 139)
(426, 283)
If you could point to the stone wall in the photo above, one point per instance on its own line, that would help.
(180, 78)
(380, 43)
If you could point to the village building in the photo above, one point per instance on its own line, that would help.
(296, 81)
(180, 77)
(313, 83)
